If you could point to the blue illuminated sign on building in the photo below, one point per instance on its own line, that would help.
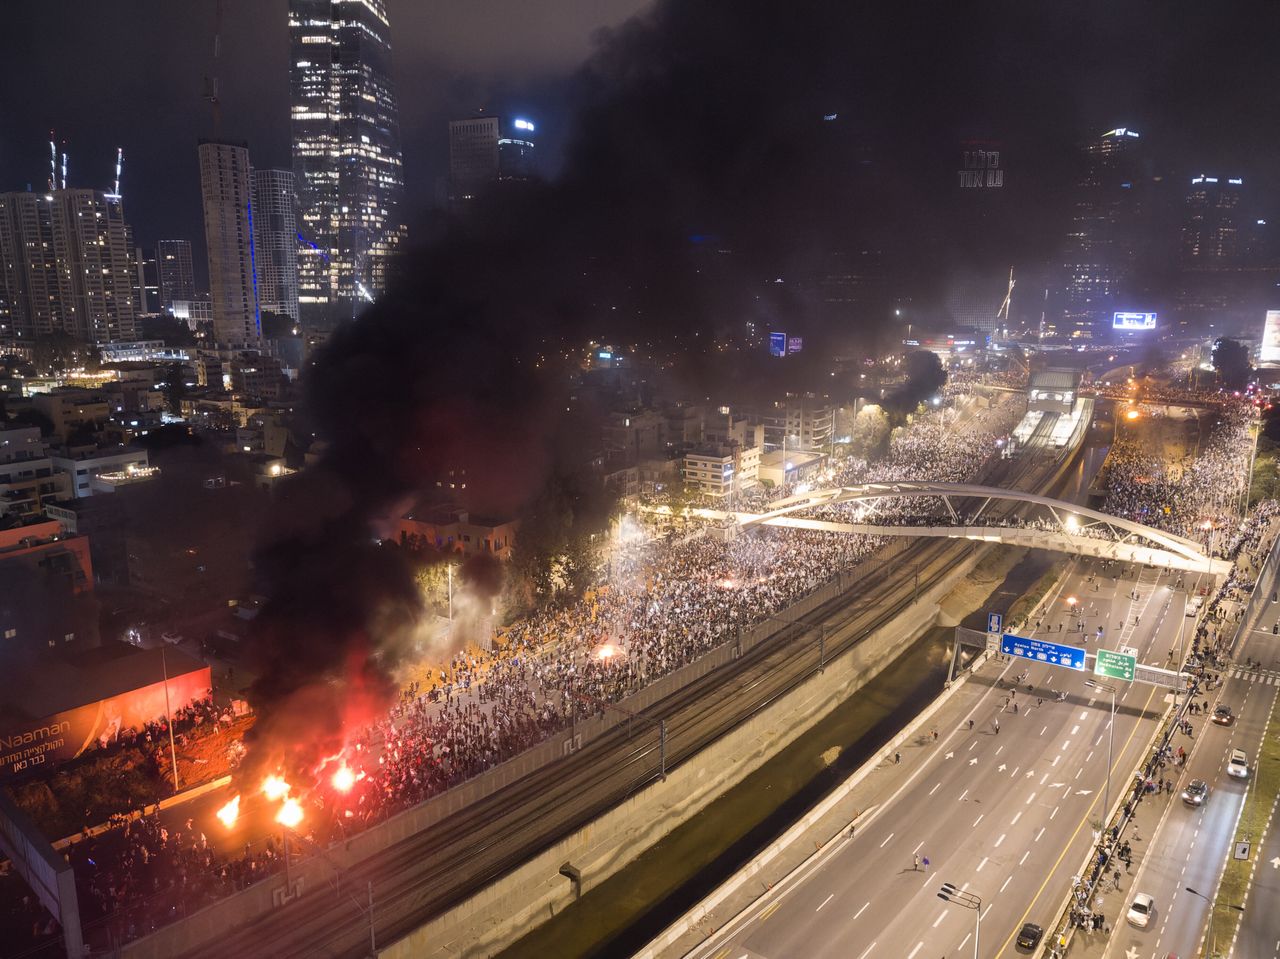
(1133, 321)
(778, 344)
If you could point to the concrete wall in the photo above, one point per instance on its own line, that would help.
(510, 907)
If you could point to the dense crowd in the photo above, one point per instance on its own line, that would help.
(1140, 486)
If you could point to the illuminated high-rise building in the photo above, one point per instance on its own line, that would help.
(1102, 246)
(175, 276)
(275, 234)
(484, 150)
(1211, 233)
(226, 187)
(67, 265)
(346, 155)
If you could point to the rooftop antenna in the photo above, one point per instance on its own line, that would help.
(119, 165)
(64, 166)
(53, 163)
(211, 82)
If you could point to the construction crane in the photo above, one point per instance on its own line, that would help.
(211, 81)
(1008, 299)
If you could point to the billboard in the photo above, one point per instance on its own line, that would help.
(1271, 338)
(795, 344)
(778, 344)
(27, 744)
(1133, 321)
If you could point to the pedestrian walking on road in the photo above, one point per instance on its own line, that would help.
(996, 724)
(971, 725)
(897, 758)
(935, 735)
(915, 863)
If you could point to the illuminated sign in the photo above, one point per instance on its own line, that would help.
(605, 355)
(1133, 321)
(1042, 651)
(795, 344)
(522, 125)
(778, 344)
(1121, 132)
(1270, 352)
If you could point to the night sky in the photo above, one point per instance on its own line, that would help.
(910, 81)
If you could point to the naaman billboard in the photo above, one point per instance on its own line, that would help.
(1133, 321)
(1270, 352)
(26, 744)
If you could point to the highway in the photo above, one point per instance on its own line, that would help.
(1005, 815)
(1191, 846)
(427, 873)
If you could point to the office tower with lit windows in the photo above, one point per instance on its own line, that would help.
(346, 155)
(275, 226)
(1211, 227)
(67, 265)
(485, 150)
(1102, 246)
(226, 186)
(175, 276)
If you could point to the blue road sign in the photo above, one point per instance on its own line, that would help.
(1055, 654)
(995, 622)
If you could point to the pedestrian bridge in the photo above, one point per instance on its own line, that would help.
(1048, 523)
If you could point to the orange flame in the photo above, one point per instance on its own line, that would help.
(230, 812)
(273, 787)
(343, 778)
(290, 813)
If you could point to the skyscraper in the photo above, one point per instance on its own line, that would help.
(226, 186)
(484, 150)
(346, 154)
(174, 273)
(66, 265)
(1211, 231)
(275, 234)
(1102, 247)
(146, 287)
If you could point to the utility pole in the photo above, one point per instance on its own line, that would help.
(168, 717)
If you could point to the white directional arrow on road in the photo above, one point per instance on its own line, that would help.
(1030, 774)
(949, 756)
(1056, 785)
(1083, 792)
(1275, 863)
(1002, 767)
(1131, 953)
(973, 762)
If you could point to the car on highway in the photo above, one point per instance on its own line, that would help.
(174, 638)
(1029, 935)
(1223, 716)
(1238, 764)
(1196, 792)
(1141, 910)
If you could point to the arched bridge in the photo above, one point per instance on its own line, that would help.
(1061, 526)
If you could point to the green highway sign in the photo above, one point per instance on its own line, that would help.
(1115, 665)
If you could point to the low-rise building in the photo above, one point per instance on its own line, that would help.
(456, 531)
(28, 478)
(84, 463)
(70, 407)
(794, 466)
(722, 470)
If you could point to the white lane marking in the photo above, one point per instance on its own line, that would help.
(825, 901)
(1043, 731)
(934, 789)
(917, 849)
(1074, 730)
(1041, 832)
(886, 840)
(862, 910)
(962, 795)
(1007, 880)
(1015, 819)
(981, 864)
(1024, 857)
(1084, 714)
(999, 841)
(912, 953)
(867, 951)
(1066, 745)
(978, 820)
(1030, 798)
(1088, 757)
(1052, 814)
(937, 922)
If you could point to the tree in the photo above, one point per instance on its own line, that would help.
(870, 430)
(1231, 361)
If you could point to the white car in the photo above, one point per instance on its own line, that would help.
(1238, 764)
(1141, 910)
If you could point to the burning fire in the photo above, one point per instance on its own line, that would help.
(229, 813)
(273, 787)
(290, 813)
(343, 779)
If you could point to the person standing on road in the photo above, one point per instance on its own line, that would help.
(996, 725)
(915, 863)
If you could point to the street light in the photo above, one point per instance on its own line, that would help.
(1111, 735)
(1208, 933)
(952, 893)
